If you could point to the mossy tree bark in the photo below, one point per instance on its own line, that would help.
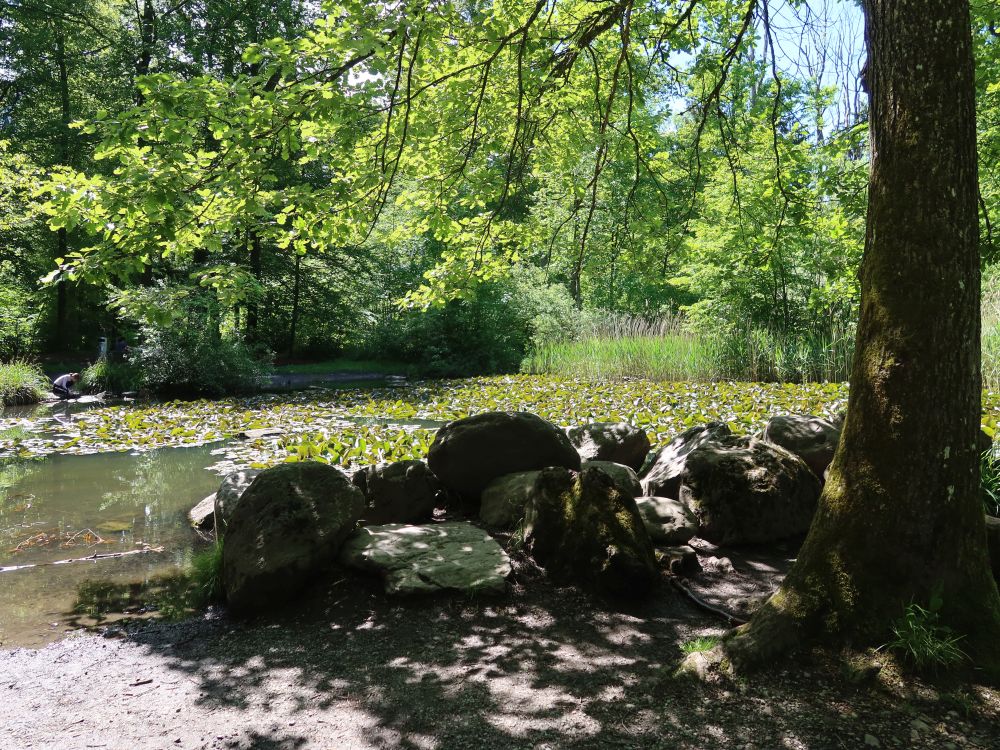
(900, 517)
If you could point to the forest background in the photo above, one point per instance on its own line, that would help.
(201, 179)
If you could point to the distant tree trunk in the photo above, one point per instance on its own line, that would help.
(62, 239)
(147, 38)
(295, 307)
(257, 271)
(900, 518)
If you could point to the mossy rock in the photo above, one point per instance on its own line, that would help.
(287, 525)
(583, 529)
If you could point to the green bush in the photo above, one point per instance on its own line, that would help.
(115, 376)
(488, 331)
(22, 383)
(187, 361)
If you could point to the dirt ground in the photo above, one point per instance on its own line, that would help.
(543, 667)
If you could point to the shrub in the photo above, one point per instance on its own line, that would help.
(488, 331)
(923, 641)
(183, 361)
(22, 383)
(116, 376)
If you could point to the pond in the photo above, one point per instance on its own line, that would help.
(71, 507)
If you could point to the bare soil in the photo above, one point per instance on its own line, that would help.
(543, 667)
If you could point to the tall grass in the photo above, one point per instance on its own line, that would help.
(21, 383)
(667, 348)
(620, 346)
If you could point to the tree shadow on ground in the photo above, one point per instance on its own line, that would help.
(543, 667)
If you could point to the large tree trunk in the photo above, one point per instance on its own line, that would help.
(900, 518)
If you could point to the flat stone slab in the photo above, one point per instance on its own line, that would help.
(260, 433)
(453, 556)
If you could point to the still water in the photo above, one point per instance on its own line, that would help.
(71, 507)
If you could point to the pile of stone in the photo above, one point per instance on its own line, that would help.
(591, 505)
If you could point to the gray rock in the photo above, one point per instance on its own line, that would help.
(663, 478)
(400, 492)
(667, 521)
(582, 528)
(747, 491)
(993, 544)
(202, 516)
(624, 476)
(469, 453)
(681, 560)
(619, 442)
(453, 556)
(503, 502)
(228, 495)
(289, 522)
(812, 439)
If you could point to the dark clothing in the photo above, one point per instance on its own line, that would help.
(62, 392)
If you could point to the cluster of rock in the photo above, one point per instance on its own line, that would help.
(590, 505)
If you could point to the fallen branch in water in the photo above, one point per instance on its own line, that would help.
(88, 558)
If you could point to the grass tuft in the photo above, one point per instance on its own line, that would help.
(206, 577)
(921, 639)
(702, 643)
(22, 383)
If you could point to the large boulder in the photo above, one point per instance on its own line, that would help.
(452, 556)
(503, 500)
(619, 442)
(469, 453)
(663, 478)
(993, 544)
(400, 492)
(582, 528)
(748, 491)
(624, 476)
(667, 521)
(229, 494)
(289, 522)
(812, 439)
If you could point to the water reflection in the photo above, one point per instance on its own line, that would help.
(71, 507)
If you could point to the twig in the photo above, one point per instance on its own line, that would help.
(95, 556)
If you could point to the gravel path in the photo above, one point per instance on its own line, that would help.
(541, 668)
